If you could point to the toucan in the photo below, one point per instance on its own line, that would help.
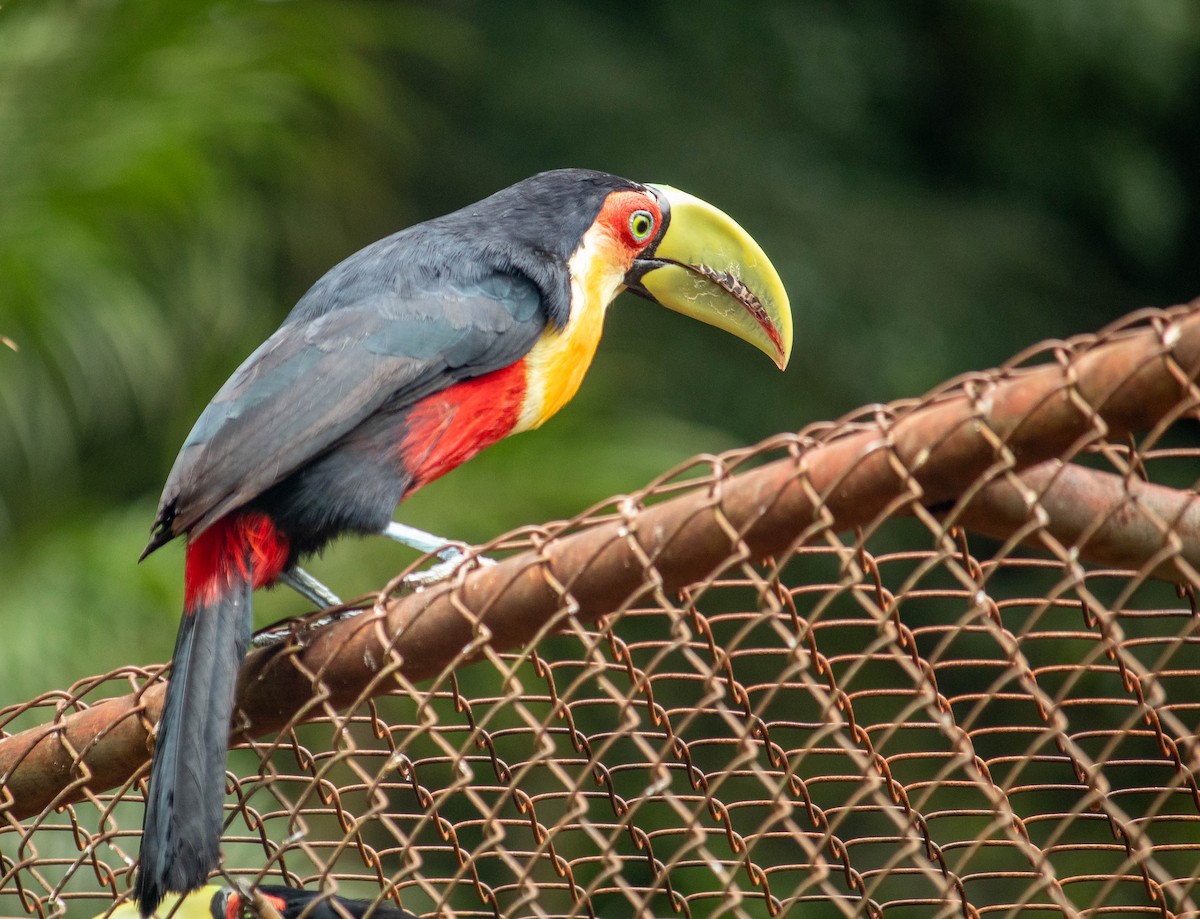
(399, 364)
(215, 902)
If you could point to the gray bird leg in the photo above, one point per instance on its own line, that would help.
(320, 596)
(310, 588)
(420, 540)
(315, 593)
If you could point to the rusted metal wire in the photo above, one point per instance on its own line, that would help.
(939, 658)
(1108, 519)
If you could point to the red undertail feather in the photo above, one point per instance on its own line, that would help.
(218, 558)
(445, 430)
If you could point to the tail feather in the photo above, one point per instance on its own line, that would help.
(181, 829)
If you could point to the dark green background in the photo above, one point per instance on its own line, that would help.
(940, 184)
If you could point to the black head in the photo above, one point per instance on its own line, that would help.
(535, 226)
(531, 228)
(549, 212)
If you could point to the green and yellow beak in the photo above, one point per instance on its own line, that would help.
(706, 266)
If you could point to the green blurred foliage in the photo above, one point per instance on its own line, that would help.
(939, 183)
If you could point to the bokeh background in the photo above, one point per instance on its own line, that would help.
(939, 183)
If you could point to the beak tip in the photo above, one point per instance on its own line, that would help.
(781, 339)
(707, 267)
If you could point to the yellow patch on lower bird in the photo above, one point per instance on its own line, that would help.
(557, 363)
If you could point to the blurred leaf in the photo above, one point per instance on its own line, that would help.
(156, 159)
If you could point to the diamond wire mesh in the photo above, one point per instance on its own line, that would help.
(902, 718)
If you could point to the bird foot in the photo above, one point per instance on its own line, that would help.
(273, 636)
(452, 558)
(316, 593)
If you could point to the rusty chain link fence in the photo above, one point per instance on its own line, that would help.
(939, 658)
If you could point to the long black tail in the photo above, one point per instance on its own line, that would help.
(181, 830)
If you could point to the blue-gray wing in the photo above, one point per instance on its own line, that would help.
(326, 370)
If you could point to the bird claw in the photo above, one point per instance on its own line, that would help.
(269, 637)
(273, 636)
(452, 558)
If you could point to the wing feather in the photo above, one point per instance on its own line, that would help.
(321, 374)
